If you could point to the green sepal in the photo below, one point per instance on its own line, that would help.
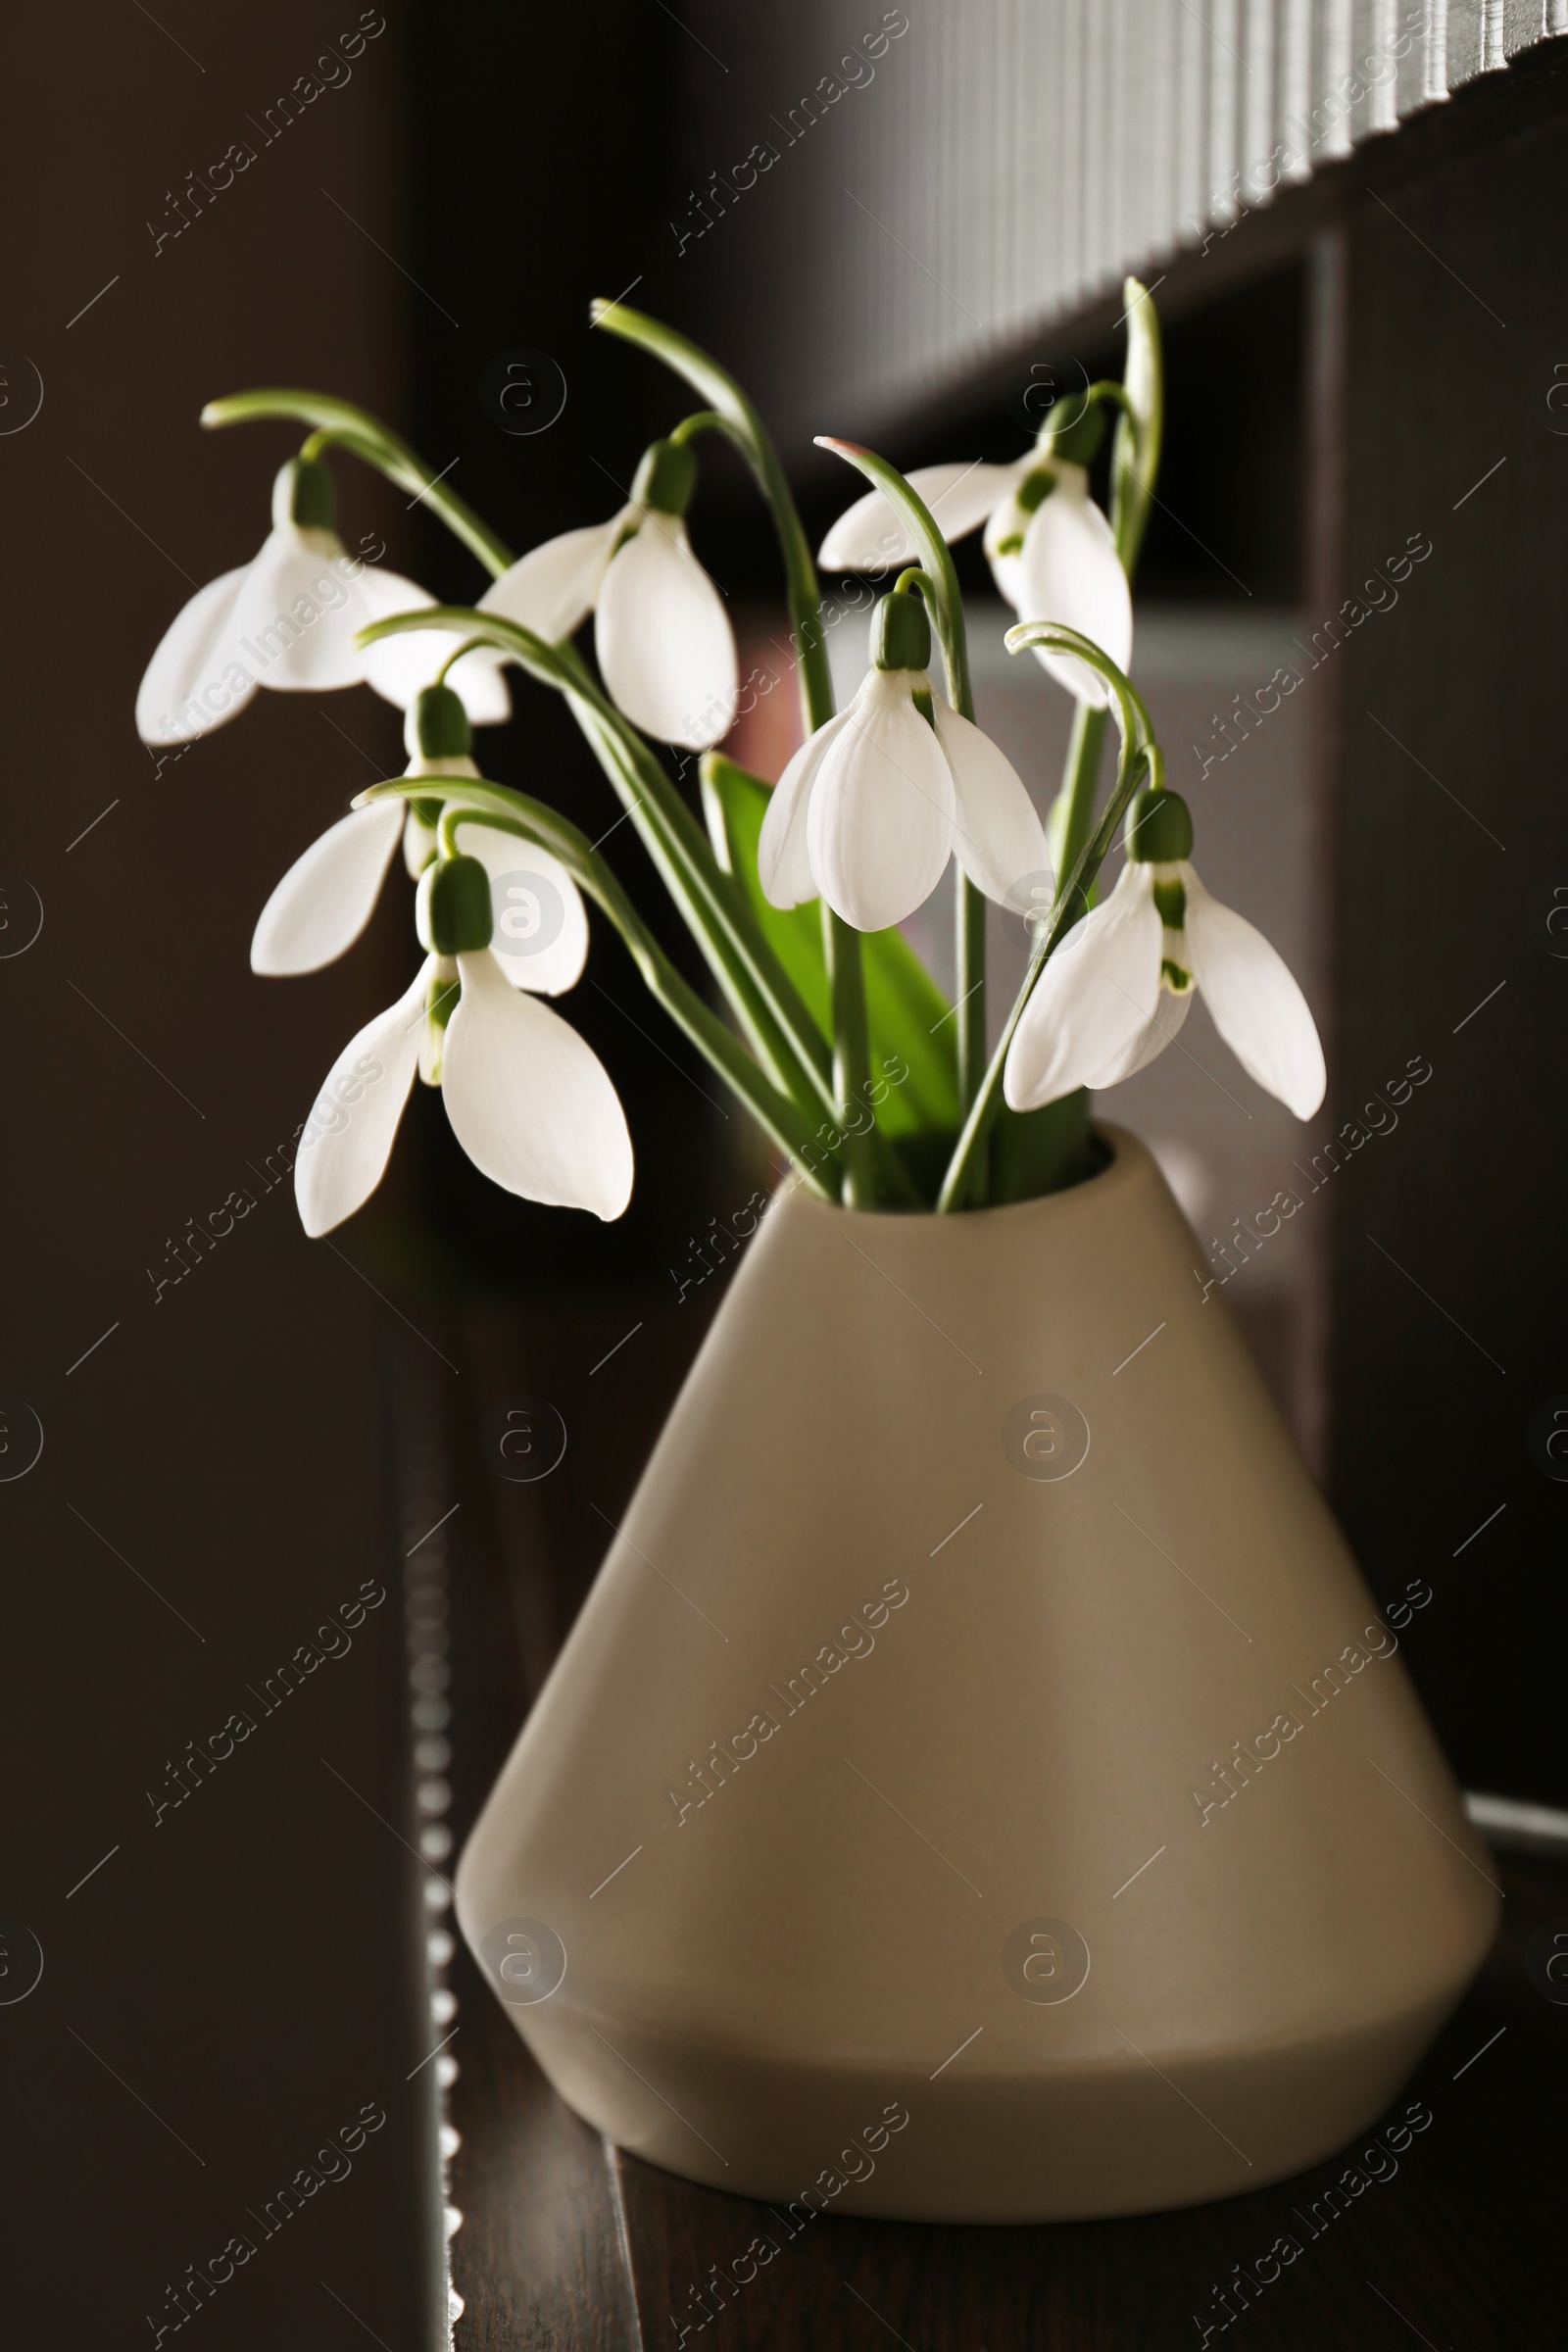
(452, 911)
(907, 1012)
(437, 725)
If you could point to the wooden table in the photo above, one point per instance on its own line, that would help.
(1453, 2236)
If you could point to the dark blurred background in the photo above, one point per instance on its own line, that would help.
(227, 1463)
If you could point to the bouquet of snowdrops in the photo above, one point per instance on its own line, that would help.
(793, 893)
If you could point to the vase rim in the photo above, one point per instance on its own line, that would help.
(1129, 1157)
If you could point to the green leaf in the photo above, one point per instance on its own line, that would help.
(908, 1013)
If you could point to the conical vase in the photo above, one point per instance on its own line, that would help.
(979, 1786)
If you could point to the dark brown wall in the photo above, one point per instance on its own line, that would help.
(227, 1989)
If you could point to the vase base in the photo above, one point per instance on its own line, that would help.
(1083, 2143)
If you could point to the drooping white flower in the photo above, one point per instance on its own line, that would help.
(529, 1099)
(1052, 551)
(874, 803)
(662, 633)
(287, 621)
(324, 901)
(1116, 991)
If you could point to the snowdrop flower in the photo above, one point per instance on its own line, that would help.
(328, 895)
(1052, 551)
(1107, 1009)
(287, 621)
(874, 803)
(529, 1102)
(661, 630)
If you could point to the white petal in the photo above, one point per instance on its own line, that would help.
(1170, 1011)
(1069, 572)
(553, 588)
(328, 897)
(398, 667)
(541, 936)
(183, 694)
(664, 639)
(1257, 1007)
(297, 612)
(348, 1139)
(783, 866)
(879, 821)
(869, 536)
(997, 837)
(529, 1102)
(1007, 573)
(1094, 999)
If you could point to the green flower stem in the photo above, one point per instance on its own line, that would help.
(940, 586)
(764, 998)
(970, 1016)
(509, 811)
(730, 408)
(1139, 402)
(776, 1021)
(1139, 751)
(1072, 819)
(851, 1055)
(701, 420)
(1135, 462)
(348, 426)
(735, 414)
(941, 582)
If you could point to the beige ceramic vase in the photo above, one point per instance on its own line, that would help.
(979, 1786)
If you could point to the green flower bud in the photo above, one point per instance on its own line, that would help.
(452, 911)
(1160, 829)
(666, 479)
(1080, 431)
(901, 633)
(305, 494)
(437, 725)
